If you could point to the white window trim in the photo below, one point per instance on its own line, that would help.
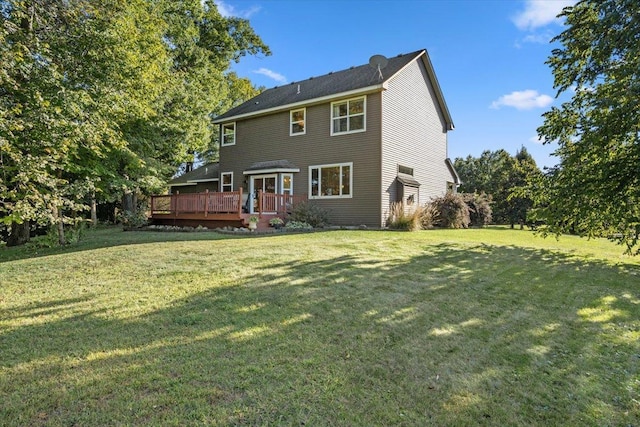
(339, 196)
(282, 176)
(304, 131)
(364, 115)
(222, 143)
(222, 184)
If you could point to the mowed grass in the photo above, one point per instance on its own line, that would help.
(340, 328)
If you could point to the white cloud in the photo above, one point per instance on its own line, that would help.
(539, 13)
(523, 100)
(541, 38)
(271, 74)
(227, 10)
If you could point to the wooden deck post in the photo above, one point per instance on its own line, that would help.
(259, 203)
(240, 201)
(174, 202)
(206, 202)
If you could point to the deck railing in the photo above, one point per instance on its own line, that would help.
(197, 203)
(278, 203)
(228, 202)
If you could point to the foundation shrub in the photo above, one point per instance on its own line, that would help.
(452, 210)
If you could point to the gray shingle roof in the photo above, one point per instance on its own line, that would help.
(326, 85)
(408, 180)
(272, 164)
(208, 172)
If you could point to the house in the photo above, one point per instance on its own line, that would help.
(353, 141)
(199, 180)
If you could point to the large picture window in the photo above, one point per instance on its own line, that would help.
(348, 116)
(228, 134)
(227, 181)
(297, 122)
(330, 181)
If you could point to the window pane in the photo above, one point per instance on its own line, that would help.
(314, 182)
(297, 127)
(356, 123)
(346, 182)
(340, 110)
(226, 179)
(356, 107)
(228, 136)
(297, 121)
(340, 125)
(331, 181)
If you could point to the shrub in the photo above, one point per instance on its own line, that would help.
(276, 222)
(479, 208)
(453, 212)
(298, 225)
(429, 216)
(135, 219)
(402, 219)
(309, 213)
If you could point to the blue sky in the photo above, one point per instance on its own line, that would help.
(489, 56)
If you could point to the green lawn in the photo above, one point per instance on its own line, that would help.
(340, 328)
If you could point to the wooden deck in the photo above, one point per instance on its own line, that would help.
(219, 209)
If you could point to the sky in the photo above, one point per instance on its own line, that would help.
(489, 56)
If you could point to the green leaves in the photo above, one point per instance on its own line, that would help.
(500, 175)
(107, 95)
(596, 190)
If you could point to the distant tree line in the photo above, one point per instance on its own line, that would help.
(102, 100)
(500, 177)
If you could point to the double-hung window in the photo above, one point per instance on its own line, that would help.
(228, 136)
(331, 181)
(297, 122)
(227, 181)
(348, 116)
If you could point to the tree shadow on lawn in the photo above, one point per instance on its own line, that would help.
(106, 237)
(484, 335)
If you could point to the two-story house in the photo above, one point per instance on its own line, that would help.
(353, 141)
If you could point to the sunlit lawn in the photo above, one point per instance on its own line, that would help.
(346, 328)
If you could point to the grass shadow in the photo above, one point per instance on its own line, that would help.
(443, 335)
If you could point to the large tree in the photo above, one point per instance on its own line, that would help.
(595, 190)
(104, 98)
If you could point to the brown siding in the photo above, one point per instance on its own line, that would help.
(199, 187)
(267, 138)
(413, 135)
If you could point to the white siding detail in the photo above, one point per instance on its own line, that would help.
(413, 135)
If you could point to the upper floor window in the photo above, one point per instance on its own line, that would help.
(228, 134)
(297, 122)
(330, 181)
(348, 116)
(227, 181)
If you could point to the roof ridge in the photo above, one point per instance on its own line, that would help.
(349, 68)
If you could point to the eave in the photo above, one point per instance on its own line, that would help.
(313, 101)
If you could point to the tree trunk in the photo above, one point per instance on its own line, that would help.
(59, 225)
(94, 210)
(128, 202)
(19, 234)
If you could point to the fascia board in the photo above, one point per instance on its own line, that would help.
(274, 170)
